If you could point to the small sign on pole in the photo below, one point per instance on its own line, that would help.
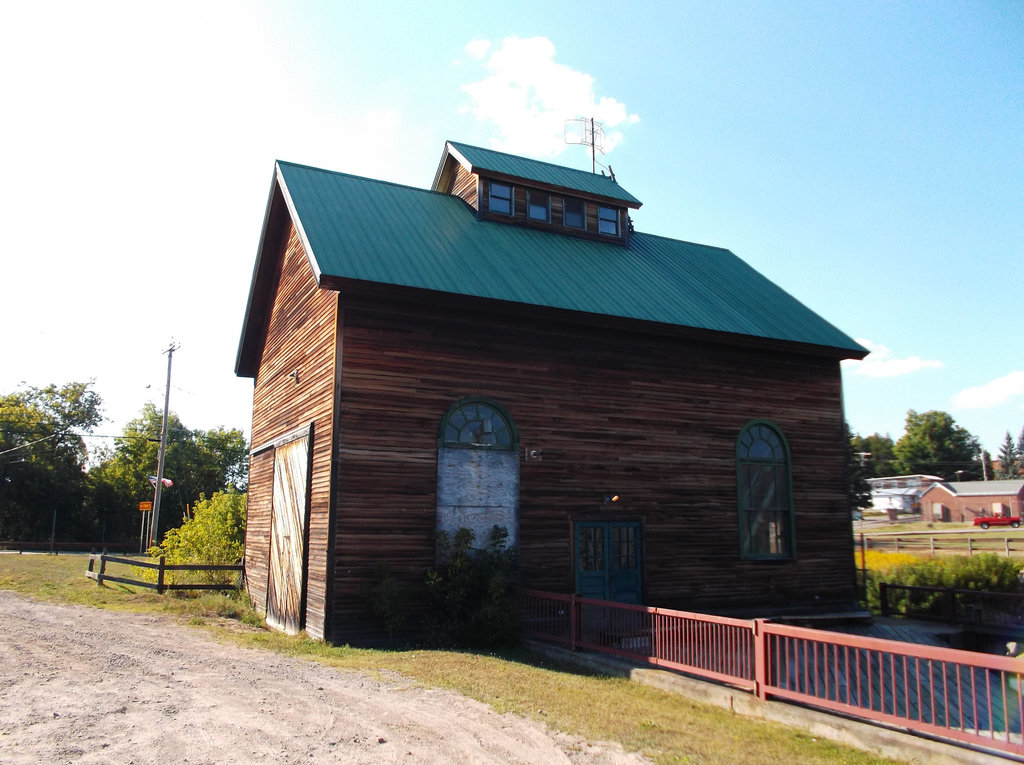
(145, 507)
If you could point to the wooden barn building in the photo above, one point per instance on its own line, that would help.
(652, 420)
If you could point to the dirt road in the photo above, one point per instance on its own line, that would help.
(86, 685)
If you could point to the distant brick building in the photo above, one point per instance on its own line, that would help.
(963, 501)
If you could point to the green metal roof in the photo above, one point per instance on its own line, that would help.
(359, 228)
(488, 160)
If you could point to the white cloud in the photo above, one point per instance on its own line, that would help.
(478, 48)
(882, 362)
(528, 97)
(993, 393)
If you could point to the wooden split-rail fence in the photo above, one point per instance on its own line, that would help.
(161, 584)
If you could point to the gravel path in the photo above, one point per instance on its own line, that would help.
(86, 685)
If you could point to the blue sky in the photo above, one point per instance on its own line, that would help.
(868, 157)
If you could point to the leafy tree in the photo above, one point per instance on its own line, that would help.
(200, 463)
(42, 457)
(934, 444)
(857, 472)
(1010, 459)
(876, 452)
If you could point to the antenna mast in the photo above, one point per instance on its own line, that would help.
(588, 132)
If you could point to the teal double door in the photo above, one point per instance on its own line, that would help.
(608, 558)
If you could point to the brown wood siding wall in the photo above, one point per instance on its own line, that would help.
(301, 336)
(259, 507)
(464, 186)
(652, 419)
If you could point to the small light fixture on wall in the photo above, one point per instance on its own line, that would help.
(611, 498)
(295, 376)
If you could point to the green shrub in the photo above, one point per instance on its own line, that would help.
(214, 534)
(986, 572)
(470, 592)
(386, 599)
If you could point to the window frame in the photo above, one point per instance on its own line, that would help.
(603, 219)
(583, 213)
(495, 407)
(779, 511)
(530, 204)
(510, 200)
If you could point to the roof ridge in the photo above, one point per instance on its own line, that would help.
(457, 144)
(378, 181)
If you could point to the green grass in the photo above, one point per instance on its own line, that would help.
(665, 727)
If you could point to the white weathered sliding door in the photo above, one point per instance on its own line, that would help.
(288, 535)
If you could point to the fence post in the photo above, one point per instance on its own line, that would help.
(573, 618)
(760, 661)
(883, 597)
(932, 540)
(970, 547)
(897, 544)
(1007, 540)
(160, 577)
(103, 569)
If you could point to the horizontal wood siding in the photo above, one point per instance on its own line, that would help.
(259, 506)
(654, 420)
(464, 186)
(301, 337)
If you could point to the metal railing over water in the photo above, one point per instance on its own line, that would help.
(964, 696)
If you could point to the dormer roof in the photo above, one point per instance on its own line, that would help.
(501, 166)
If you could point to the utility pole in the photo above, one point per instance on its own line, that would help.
(154, 530)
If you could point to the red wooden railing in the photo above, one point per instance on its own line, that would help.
(959, 695)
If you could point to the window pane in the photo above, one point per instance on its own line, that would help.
(573, 214)
(591, 555)
(539, 207)
(764, 501)
(608, 220)
(477, 424)
(500, 198)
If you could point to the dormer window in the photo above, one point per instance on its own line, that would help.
(538, 206)
(500, 198)
(574, 214)
(608, 221)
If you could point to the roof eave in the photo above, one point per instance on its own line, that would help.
(245, 366)
(246, 361)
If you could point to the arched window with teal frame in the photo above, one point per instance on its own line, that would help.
(765, 493)
(477, 423)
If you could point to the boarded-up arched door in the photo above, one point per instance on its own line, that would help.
(478, 471)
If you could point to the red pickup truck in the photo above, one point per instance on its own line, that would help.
(997, 520)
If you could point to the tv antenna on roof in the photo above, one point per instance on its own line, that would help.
(586, 131)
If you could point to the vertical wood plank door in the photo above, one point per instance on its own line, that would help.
(287, 537)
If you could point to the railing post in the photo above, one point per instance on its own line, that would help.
(160, 577)
(760, 660)
(573, 621)
(883, 597)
